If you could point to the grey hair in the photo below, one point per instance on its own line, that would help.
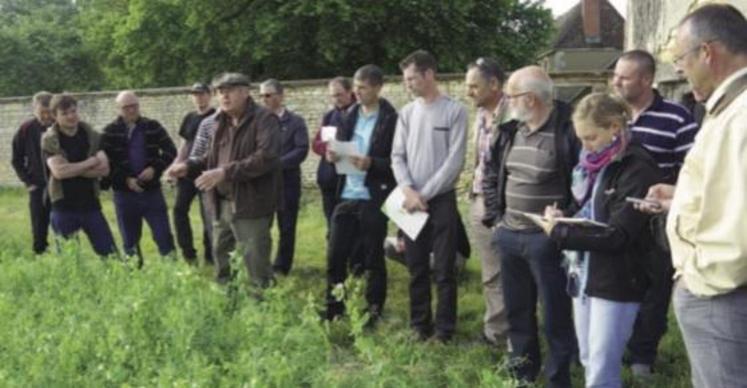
(540, 86)
(42, 99)
(721, 22)
(273, 83)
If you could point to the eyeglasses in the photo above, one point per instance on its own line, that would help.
(676, 61)
(515, 96)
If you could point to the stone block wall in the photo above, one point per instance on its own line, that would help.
(169, 105)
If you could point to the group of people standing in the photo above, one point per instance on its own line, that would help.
(540, 166)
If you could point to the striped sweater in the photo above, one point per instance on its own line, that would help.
(667, 130)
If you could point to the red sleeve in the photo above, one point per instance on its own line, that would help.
(318, 146)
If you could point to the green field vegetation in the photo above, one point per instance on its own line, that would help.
(70, 319)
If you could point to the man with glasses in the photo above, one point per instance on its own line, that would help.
(484, 82)
(706, 221)
(295, 147)
(529, 168)
(28, 164)
(139, 150)
(666, 130)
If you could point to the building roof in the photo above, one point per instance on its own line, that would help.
(570, 28)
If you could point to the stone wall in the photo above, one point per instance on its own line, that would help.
(168, 106)
(308, 98)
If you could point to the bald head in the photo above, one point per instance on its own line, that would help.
(529, 90)
(532, 79)
(128, 106)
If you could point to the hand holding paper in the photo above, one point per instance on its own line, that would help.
(344, 150)
(411, 223)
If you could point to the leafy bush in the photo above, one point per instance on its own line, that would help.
(75, 320)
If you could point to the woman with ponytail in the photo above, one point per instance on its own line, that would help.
(605, 264)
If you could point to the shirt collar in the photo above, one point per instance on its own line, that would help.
(721, 89)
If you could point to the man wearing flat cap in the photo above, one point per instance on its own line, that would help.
(186, 191)
(242, 178)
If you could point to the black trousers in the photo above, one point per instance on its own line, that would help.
(440, 237)
(40, 208)
(651, 323)
(186, 192)
(358, 228)
(287, 217)
(329, 201)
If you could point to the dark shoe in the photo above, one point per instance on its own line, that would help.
(277, 271)
(443, 338)
(374, 315)
(421, 335)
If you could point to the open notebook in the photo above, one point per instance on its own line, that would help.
(539, 219)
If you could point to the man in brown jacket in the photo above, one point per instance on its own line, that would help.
(241, 175)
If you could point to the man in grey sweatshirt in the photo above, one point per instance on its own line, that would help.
(427, 158)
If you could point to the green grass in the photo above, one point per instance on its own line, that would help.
(70, 319)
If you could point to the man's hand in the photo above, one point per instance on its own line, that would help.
(210, 178)
(100, 170)
(659, 193)
(133, 184)
(147, 174)
(362, 163)
(413, 200)
(551, 213)
(175, 171)
(332, 156)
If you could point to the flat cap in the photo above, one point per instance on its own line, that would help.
(199, 87)
(231, 79)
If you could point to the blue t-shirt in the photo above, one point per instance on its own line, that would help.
(355, 185)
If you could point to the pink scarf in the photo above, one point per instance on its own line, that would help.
(591, 163)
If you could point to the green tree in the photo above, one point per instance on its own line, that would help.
(42, 48)
(143, 43)
(106, 44)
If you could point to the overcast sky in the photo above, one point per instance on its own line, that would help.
(560, 6)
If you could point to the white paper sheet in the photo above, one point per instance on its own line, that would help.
(345, 149)
(410, 223)
(328, 133)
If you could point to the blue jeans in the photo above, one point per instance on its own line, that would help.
(131, 208)
(530, 266)
(603, 328)
(67, 222)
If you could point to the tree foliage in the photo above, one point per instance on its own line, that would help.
(151, 43)
(42, 48)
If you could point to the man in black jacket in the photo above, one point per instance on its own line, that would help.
(357, 218)
(28, 163)
(342, 96)
(529, 168)
(295, 147)
(139, 150)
